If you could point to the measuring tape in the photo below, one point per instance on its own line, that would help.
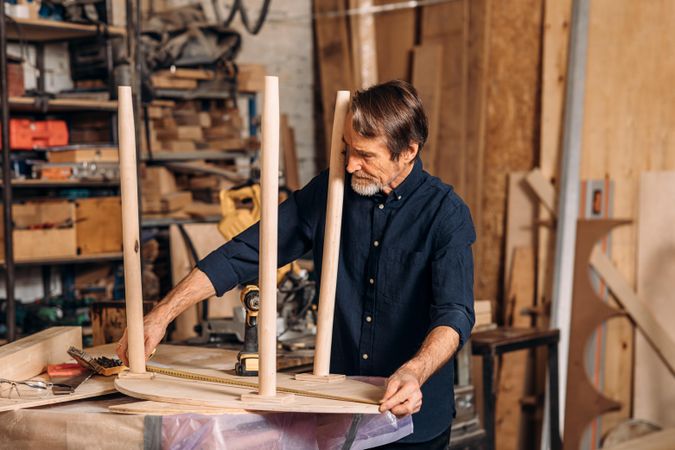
(247, 384)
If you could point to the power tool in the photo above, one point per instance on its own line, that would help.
(247, 359)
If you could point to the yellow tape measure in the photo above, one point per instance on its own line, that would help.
(246, 384)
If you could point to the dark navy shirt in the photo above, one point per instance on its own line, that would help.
(405, 267)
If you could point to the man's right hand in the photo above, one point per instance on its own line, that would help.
(154, 330)
(192, 289)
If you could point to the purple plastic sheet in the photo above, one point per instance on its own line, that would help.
(249, 431)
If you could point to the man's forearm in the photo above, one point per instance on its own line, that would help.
(436, 350)
(192, 289)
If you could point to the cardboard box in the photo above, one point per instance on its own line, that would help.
(98, 225)
(42, 230)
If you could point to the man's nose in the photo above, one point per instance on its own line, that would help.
(353, 164)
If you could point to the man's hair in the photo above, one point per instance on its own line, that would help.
(393, 111)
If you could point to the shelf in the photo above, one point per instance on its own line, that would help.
(63, 183)
(152, 222)
(80, 259)
(41, 30)
(196, 155)
(62, 104)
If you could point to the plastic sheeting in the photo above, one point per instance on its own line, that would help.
(282, 431)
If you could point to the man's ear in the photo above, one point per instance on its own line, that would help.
(409, 154)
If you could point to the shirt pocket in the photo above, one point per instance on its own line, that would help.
(401, 273)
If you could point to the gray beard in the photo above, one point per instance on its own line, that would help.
(367, 190)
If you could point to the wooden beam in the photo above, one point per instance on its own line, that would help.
(363, 45)
(28, 357)
(131, 232)
(514, 367)
(290, 158)
(639, 312)
(426, 77)
(447, 25)
(331, 246)
(654, 387)
(332, 47)
(269, 186)
(395, 37)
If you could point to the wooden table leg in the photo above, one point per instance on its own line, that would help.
(489, 400)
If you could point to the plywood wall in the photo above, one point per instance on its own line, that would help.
(629, 127)
(512, 123)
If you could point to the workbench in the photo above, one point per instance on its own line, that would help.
(117, 421)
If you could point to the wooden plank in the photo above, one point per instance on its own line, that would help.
(28, 357)
(290, 158)
(176, 200)
(426, 77)
(363, 45)
(446, 24)
(93, 154)
(395, 38)
(654, 394)
(514, 58)
(49, 30)
(213, 361)
(478, 58)
(335, 70)
(161, 82)
(553, 81)
(643, 316)
(521, 213)
(164, 409)
(514, 369)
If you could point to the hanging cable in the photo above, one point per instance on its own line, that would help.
(238, 6)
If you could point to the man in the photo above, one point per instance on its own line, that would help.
(404, 301)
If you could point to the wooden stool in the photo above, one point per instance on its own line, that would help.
(503, 340)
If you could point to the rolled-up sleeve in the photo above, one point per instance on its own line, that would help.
(236, 261)
(452, 274)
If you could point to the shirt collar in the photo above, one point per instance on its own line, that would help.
(411, 182)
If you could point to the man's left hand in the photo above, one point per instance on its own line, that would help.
(402, 396)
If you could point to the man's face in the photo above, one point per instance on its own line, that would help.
(369, 161)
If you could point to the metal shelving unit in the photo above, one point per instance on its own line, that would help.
(39, 32)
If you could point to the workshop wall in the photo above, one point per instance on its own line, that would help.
(284, 45)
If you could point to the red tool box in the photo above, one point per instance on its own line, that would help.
(26, 134)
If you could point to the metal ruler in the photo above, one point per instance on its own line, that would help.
(247, 384)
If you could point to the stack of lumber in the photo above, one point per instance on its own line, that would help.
(160, 193)
(186, 127)
(483, 311)
(180, 79)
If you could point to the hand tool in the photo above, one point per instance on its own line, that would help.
(248, 358)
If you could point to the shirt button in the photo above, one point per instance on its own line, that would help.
(399, 197)
(381, 206)
(371, 281)
(376, 243)
(364, 356)
(369, 319)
